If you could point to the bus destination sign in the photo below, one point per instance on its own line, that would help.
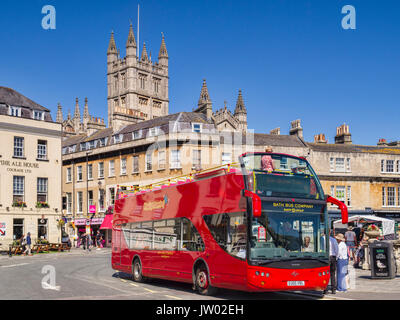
(290, 207)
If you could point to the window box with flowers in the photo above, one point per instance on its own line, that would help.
(19, 204)
(42, 204)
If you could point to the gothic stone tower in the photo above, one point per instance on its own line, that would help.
(137, 87)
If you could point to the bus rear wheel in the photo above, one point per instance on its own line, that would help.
(202, 282)
(137, 271)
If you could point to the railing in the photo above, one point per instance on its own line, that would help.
(197, 175)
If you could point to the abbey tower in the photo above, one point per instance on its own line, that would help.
(137, 87)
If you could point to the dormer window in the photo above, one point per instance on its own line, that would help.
(137, 134)
(153, 131)
(196, 127)
(14, 111)
(38, 115)
(103, 142)
(118, 138)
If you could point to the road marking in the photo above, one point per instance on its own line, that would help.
(134, 284)
(173, 297)
(151, 291)
(15, 265)
(123, 280)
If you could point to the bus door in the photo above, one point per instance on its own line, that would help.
(228, 256)
(116, 245)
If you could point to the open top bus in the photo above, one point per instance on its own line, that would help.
(244, 226)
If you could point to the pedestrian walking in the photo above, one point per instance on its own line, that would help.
(98, 239)
(83, 241)
(88, 241)
(28, 242)
(333, 254)
(342, 263)
(351, 241)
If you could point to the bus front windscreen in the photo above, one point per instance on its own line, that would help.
(293, 223)
(280, 235)
(276, 175)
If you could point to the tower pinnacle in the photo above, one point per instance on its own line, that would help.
(131, 42)
(112, 47)
(144, 56)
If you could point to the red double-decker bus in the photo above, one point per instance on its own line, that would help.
(249, 227)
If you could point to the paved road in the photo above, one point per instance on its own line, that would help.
(88, 276)
(83, 275)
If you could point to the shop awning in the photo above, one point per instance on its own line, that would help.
(107, 223)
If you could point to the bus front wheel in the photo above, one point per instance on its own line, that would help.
(137, 271)
(202, 283)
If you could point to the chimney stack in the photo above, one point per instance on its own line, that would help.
(343, 135)
(382, 142)
(276, 131)
(320, 138)
(296, 129)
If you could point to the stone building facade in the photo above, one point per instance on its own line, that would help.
(30, 170)
(365, 178)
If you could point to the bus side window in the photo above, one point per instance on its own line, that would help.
(191, 239)
(229, 231)
(164, 236)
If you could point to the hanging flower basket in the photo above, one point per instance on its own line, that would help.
(61, 222)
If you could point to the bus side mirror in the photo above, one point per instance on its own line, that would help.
(256, 202)
(342, 207)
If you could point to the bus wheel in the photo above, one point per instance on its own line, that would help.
(203, 282)
(137, 271)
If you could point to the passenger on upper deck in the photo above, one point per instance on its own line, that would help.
(266, 161)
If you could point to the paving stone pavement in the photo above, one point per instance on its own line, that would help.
(363, 287)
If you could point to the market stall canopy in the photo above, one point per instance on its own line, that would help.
(387, 224)
(107, 223)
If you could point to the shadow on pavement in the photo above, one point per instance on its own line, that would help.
(225, 293)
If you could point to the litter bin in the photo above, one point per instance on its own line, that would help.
(383, 264)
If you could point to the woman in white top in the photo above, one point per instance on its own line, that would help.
(342, 263)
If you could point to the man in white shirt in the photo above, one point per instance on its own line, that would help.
(333, 253)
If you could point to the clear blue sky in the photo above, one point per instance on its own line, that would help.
(292, 59)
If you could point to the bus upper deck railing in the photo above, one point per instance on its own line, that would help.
(125, 191)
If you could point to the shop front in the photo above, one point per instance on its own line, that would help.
(106, 227)
(89, 226)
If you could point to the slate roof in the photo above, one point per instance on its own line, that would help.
(14, 98)
(183, 118)
(10, 97)
(353, 148)
(261, 139)
(103, 133)
(70, 141)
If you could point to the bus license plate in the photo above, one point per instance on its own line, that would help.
(295, 283)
